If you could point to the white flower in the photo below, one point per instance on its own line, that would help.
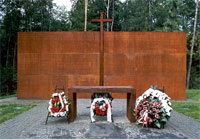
(148, 92)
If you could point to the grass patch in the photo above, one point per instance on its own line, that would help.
(2, 97)
(10, 111)
(189, 109)
(193, 94)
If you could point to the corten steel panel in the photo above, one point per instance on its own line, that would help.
(141, 59)
(47, 59)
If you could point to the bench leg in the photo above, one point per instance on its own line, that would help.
(131, 97)
(72, 106)
(47, 118)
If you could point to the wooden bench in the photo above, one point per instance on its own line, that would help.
(131, 97)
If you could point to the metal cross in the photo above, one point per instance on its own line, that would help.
(101, 20)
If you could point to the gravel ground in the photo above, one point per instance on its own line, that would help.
(14, 100)
(31, 125)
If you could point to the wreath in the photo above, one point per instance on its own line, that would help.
(58, 105)
(101, 107)
(152, 108)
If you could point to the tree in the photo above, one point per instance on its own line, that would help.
(192, 46)
(76, 15)
(86, 7)
(16, 16)
(131, 15)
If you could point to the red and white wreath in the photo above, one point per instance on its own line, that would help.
(153, 108)
(58, 105)
(101, 106)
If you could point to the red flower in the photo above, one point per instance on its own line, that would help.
(52, 101)
(157, 111)
(57, 99)
(147, 118)
(157, 116)
(150, 112)
(150, 121)
(99, 111)
(138, 107)
(136, 112)
(63, 109)
(135, 118)
(155, 104)
(54, 109)
(145, 108)
(154, 109)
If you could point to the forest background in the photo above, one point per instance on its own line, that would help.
(130, 15)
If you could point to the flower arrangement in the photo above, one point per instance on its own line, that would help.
(101, 105)
(152, 108)
(58, 105)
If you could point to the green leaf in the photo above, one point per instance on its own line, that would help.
(164, 114)
(137, 123)
(162, 110)
(164, 119)
(157, 124)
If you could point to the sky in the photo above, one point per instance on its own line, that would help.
(67, 3)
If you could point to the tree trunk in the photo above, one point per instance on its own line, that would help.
(192, 46)
(86, 5)
(113, 14)
(14, 59)
(150, 16)
(41, 21)
(49, 18)
(30, 23)
(108, 7)
(14, 55)
(0, 64)
(7, 55)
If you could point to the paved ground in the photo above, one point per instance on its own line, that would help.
(14, 100)
(30, 125)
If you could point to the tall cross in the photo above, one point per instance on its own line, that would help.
(101, 20)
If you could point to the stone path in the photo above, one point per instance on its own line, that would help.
(14, 100)
(31, 125)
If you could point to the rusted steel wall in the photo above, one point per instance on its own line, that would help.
(142, 59)
(47, 59)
